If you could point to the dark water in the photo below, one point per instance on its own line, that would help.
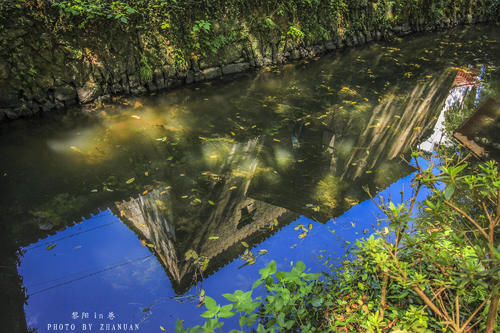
(101, 208)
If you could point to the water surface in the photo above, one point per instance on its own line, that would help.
(103, 207)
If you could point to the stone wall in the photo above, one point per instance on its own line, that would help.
(44, 69)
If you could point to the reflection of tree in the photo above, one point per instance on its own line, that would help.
(225, 212)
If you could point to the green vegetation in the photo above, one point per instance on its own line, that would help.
(432, 265)
(116, 46)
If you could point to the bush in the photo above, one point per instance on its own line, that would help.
(431, 266)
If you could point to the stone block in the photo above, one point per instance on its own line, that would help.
(88, 92)
(211, 73)
(235, 68)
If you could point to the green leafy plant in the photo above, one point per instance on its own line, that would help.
(432, 265)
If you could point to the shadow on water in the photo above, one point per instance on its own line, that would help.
(229, 168)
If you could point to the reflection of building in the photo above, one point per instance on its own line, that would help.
(232, 220)
(215, 225)
(464, 81)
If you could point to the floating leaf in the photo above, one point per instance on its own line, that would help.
(76, 149)
(303, 235)
(310, 226)
(213, 237)
(298, 227)
(50, 247)
(245, 244)
(262, 252)
(77, 246)
(130, 181)
(162, 328)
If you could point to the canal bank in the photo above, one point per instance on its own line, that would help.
(57, 54)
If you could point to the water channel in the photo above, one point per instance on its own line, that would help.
(99, 209)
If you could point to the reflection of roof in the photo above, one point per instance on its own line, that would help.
(466, 77)
(480, 132)
(154, 224)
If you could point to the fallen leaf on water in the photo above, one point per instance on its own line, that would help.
(130, 181)
(143, 242)
(50, 247)
(303, 235)
(245, 244)
(76, 149)
(201, 298)
(293, 246)
(162, 328)
(310, 226)
(262, 252)
(77, 246)
(298, 227)
(213, 237)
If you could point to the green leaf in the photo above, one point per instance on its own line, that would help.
(251, 320)
(243, 320)
(226, 312)
(124, 20)
(210, 303)
(300, 266)
(179, 326)
(448, 191)
(230, 297)
(317, 302)
(208, 314)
